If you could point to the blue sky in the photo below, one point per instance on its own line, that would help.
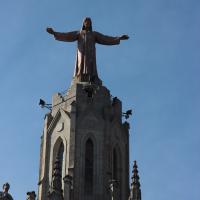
(156, 73)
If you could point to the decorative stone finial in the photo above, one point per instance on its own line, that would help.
(56, 192)
(57, 177)
(135, 184)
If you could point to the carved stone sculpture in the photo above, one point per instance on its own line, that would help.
(4, 195)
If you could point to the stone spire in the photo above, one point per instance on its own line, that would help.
(135, 185)
(56, 192)
(57, 177)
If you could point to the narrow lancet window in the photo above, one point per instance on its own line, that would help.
(58, 167)
(89, 166)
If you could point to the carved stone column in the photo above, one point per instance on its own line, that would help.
(135, 185)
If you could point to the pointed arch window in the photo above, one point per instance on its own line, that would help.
(89, 166)
(57, 168)
(58, 154)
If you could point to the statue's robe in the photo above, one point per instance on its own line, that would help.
(85, 68)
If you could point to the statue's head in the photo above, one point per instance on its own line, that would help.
(87, 24)
(6, 187)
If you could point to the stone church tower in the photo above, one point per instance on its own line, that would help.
(85, 145)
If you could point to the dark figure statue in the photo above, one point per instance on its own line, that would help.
(85, 69)
(31, 195)
(5, 195)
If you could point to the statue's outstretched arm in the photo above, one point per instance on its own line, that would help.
(66, 37)
(109, 40)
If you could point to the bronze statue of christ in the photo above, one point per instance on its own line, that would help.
(85, 68)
